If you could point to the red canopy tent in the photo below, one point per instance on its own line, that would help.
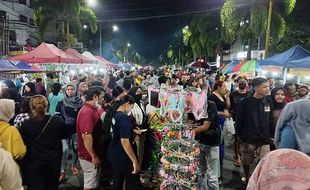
(76, 54)
(46, 53)
(106, 62)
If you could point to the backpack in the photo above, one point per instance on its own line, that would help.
(102, 137)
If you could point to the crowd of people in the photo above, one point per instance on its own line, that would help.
(98, 126)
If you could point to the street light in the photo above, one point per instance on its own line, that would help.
(115, 28)
(91, 3)
(128, 44)
(85, 26)
(186, 27)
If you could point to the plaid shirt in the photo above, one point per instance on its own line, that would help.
(20, 118)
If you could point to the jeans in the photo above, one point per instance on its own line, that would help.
(65, 151)
(208, 168)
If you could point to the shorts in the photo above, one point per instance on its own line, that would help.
(90, 174)
(248, 152)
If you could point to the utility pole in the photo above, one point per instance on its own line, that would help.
(268, 29)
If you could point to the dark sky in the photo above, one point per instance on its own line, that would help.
(151, 36)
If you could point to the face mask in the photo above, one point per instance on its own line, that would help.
(129, 113)
(242, 86)
(144, 96)
(97, 105)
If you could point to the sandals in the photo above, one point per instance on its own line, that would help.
(74, 170)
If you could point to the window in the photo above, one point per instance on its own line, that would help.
(2, 15)
(24, 2)
(31, 22)
(23, 18)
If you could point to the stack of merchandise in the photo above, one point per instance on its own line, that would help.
(180, 158)
(180, 152)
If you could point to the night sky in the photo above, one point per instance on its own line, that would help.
(151, 36)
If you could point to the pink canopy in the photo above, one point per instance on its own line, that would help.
(106, 62)
(76, 54)
(46, 53)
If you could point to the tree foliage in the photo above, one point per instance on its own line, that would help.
(296, 30)
(71, 12)
(248, 19)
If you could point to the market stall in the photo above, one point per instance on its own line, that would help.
(79, 56)
(46, 54)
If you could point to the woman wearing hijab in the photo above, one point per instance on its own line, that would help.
(68, 109)
(10, 138)
(292, 130)
(29, 89)
(277, 98)
(83, 86)
(10, 91)
(281, 169)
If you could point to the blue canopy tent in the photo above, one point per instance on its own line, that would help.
(20, 65)
(283, 59)
(5, 65)
(300, 63)
(286, 59)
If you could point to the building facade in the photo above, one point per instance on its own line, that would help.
(21, 22)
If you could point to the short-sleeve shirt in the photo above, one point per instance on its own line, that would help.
(221, 105)
(123, 129)
(86, 121)
(212, 136)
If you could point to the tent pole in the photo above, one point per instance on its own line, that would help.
(285, 76)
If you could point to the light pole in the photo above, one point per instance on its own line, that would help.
(115, 28)
(100, 39)
(126, 55)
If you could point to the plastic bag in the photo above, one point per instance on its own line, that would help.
(229, 125)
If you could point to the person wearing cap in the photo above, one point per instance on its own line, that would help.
(303, 92)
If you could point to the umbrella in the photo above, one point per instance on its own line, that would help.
(229, 67)
(200, 64)
(238, 67)
(249, 66)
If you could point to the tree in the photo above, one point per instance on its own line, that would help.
(43, 16)
(178, 52)
(249, 21)
(297, 29)
(206, 36)
(71, 14)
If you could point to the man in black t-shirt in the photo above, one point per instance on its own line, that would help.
(235, 99)
(253, 124)
(209, 136)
